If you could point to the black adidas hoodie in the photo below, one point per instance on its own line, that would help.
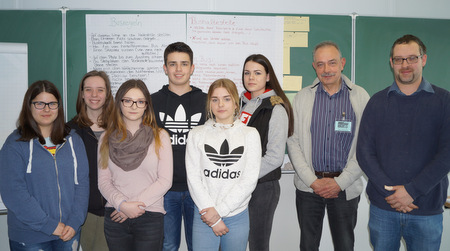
(178, 115)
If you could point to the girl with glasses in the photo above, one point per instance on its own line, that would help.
(135, 158)
(44, 178)
(94, 105)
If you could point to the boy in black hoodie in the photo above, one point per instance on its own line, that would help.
(178, 108)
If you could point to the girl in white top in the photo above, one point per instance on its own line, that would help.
(223, 158)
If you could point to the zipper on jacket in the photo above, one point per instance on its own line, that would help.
(59, 188)
(57, 180)
(57, 176)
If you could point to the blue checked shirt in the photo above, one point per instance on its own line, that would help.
(330, 148)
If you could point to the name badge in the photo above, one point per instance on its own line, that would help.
(343, 126)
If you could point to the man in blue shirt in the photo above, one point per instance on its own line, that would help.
(404, 149)
(322, 151)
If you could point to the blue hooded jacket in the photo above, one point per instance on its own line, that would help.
(40, 190)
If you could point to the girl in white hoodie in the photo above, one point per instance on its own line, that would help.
(222, 163)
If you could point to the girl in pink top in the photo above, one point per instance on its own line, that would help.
(135, 160)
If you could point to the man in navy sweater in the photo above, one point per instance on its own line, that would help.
(404, 149)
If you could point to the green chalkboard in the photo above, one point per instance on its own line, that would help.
(374, 39)
(42, 31)
(322, 27)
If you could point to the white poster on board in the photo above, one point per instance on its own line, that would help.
(130, 46)
(221, 43)
(14, 83)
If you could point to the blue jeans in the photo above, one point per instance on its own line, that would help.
(342, 214)
(261, 210)
(142, 233)
(420, 232)
(204, 239)
(55, 245)
(177, 205)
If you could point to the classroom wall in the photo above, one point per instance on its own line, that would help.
(396, 8)
(286, 232)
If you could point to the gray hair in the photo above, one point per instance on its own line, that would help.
(324, 44)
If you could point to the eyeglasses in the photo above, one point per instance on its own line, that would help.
(41, 105)
(130, 103)
(409, 60)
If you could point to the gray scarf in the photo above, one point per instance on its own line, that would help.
(129, 153)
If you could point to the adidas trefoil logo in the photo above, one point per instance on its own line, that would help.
(223, 159)
(179, 124)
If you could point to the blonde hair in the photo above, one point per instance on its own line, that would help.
(230, 86)
(118, 126)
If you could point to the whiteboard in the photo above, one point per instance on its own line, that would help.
(14, 79)
(221, 43)
(132, 45)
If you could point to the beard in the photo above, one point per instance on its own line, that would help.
(406, 79)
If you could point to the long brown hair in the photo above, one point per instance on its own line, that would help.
(82, 118)
(117, 125)
(272, 84)
(28, 127)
